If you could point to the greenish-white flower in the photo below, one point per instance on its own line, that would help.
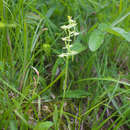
(69, 26)
(66, 39)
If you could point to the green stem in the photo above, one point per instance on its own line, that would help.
(65, 87)
(66, 76)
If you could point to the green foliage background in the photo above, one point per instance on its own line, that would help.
(98, 92)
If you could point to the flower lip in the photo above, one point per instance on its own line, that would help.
(68, 26)
(74, 33)
(66, 39)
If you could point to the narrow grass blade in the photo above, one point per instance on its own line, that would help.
(105, 79)
(92, 108)
(121, 19)
(21, 117)
(13, 88)
(52, 83)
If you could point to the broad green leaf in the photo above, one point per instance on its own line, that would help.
(43, 125)
(103, 27)
(120, 32)
(96, 40)
(75, 49)
(78, 47)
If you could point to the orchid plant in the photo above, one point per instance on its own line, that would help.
(70, 34)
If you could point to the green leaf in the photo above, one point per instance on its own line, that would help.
(43, 125)
(103, 27)
(96, 40)
(50, 12)
(120, 32)
(55, 117)
(77, 94)
(120, 19)
(13, 125)
(75, 49)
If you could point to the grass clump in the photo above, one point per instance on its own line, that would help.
(63, 72)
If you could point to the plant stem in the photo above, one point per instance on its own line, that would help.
(65, 86)
(66, 75)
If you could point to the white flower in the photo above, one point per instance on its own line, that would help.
(71, 25)
(64, 27)
(66, 39)
(68, 54)
(68, 26)
(73, 33)
(68, 46)
(76, 33)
